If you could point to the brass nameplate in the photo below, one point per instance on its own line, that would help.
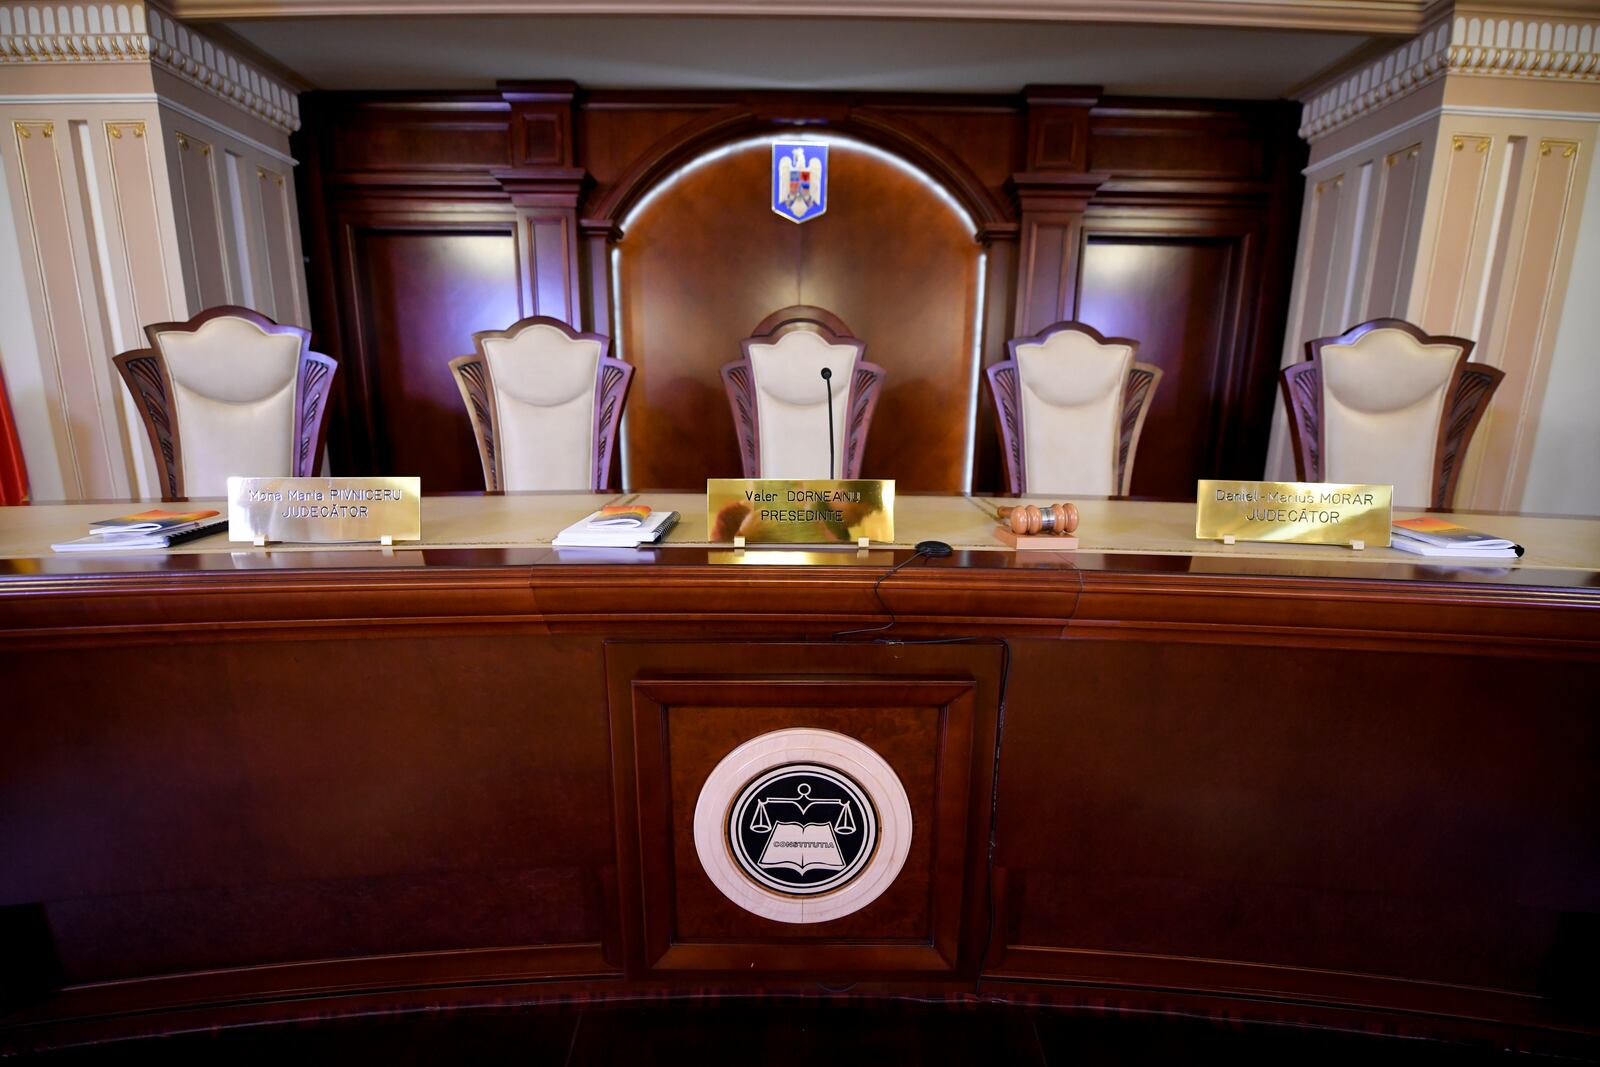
(324, 509)
(795, 512)
(1307, 513)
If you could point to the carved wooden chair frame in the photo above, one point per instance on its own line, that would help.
(738, 377)
(1005, 385)
(612, 379)
(145, 373)
(1471, 388)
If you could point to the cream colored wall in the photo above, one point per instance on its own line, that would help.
(237, 224)
(1566, 445)
(1360, 228)
(85, 200)
(132, 195)
(1456, 207)
(1504, 212)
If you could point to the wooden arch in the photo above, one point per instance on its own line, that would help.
(873, 126)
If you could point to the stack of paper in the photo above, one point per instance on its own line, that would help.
(1428, 536)
(147, 529)
(617, 527)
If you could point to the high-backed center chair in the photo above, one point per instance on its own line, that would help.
(780, 402)
(1072, 404)
(1386, 403)
(545, 402)
(230, 392)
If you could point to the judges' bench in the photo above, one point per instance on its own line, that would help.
(1269, 783)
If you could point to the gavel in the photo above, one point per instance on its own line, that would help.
(1059, 519)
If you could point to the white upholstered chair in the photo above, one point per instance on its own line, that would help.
(1071, 404)
(230, 392)
(780, 402)
(545, 402)
(1386, 403)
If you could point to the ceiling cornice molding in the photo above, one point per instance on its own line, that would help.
(1349, 16)
(73, 33)
(1468, 41)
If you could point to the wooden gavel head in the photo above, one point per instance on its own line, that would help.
(1059, 519)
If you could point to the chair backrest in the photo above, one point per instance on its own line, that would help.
(1384, 402)
(1072, 405)
(780, 402)
(545, 402)
(230, 392)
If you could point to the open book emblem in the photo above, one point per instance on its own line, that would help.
(802, 829)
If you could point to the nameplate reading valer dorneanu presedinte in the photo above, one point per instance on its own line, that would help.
(787, 511)
(1307, 513)
(324, 509)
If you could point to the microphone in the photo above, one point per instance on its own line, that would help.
(827, 379)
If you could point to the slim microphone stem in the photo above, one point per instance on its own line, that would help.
(827, 379)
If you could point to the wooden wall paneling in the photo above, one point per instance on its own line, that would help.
(545, 187)
(548, 241)
(439, 151)
(699, 268)
(454, 799)
(1374, 877)
(1179, 284)
(1052, 192)
(417, 285)
(677, 709)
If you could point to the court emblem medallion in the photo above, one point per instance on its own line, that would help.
(799, 180)
(802, 825)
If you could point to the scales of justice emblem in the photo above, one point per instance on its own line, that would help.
(799, 180)
(802, 829)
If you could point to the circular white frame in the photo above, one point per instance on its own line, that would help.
(802, 745)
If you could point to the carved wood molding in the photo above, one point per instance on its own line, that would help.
(1003, 387)
(311, 411)
(1350, 16)
(146, 377)
(1565, 49)
(472, 378)
(36, 33)
(878, 127)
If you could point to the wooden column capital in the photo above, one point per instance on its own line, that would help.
(541, 122)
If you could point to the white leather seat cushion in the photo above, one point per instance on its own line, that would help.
(1071, 390)
(792, 404)
(1382, 399)
(544, 384)
(233, 400)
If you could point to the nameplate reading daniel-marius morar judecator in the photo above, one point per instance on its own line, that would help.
(1307, 513)
(787, 511)
(324, 509)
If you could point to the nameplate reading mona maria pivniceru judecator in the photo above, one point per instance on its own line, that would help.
(331, 510)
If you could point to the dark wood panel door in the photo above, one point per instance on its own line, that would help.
(706, 259)
(421, 292)
(1177, 295)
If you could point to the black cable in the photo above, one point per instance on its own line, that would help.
(999, 724)
(919, 554)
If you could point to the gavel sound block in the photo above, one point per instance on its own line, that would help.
(1047, 528)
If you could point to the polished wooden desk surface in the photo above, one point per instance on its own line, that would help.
(522, 521)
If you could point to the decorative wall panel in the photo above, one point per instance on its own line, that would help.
(935, 199)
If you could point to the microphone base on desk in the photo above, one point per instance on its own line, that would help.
(933, 549)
